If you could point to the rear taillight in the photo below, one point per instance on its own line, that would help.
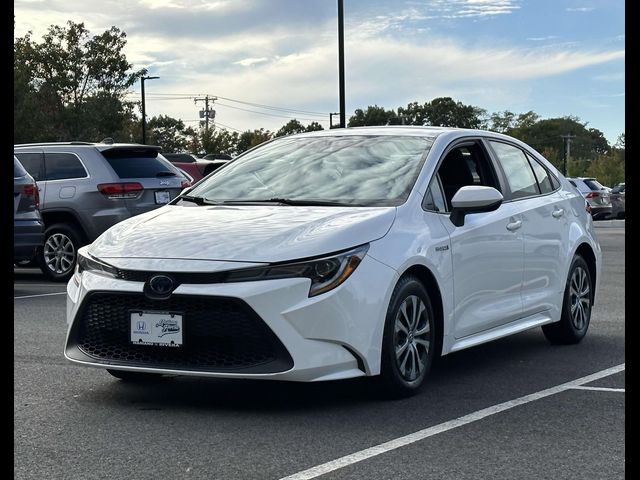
(593, 194)
(32, 191)
(120, 190)
(185, 184)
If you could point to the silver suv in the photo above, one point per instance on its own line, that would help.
(596, 195)
(85, 188)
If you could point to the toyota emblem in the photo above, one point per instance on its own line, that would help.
(161, 285)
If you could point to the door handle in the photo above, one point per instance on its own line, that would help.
(514, 225)
(558, 213)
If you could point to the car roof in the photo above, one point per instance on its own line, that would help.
(98, 145)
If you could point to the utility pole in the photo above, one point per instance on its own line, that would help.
(144, 112)
(331, 118)
(341, 61)
(566, 147)
(207, 113)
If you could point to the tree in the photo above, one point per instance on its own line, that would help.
(502, 122)
(291, 127)
(313, 127)
(219, 141)
(167, 132)
(446, 112)
(373, 115)
(66, 77)
(250, 139)
(414, 114)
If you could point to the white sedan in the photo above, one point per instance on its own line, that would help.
(338, 254)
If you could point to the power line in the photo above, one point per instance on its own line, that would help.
(235, 100)
(272, 114)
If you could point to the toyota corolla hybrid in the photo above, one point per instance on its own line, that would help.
(338, 254)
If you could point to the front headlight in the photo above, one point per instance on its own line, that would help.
(90, 264)
(325, 273)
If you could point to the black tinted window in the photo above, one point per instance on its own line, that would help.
(33, 163)
(594, 184)
(542, 176)
(64, 165)
(132, 165)
(18, 170)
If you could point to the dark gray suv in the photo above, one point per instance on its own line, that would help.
(85, 188)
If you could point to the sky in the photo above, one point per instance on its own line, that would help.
(555, 57)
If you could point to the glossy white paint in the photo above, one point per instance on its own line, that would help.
(475, 196)
(254, 233)
(500, 273)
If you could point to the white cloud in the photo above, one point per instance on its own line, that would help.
(542, 39)
(247, 62)
(580, 9)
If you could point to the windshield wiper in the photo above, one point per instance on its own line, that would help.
(197, 200)
(289, 201)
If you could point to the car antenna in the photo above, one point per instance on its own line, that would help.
(107, 140)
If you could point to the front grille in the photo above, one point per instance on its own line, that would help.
(178, 277)
(219, 335)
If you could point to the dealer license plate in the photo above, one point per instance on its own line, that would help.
(162, 197)
(156, 328)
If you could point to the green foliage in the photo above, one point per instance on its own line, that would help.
(250, 139)
(373, 115)
(608, 169)
(167, 132)
(291, 127)
(218, 141)
(313, 127)
(71, 86)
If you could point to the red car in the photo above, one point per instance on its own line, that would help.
(196, 167)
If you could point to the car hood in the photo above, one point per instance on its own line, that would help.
(248, 233)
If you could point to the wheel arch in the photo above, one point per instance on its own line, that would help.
(51, 217)
(428, 279)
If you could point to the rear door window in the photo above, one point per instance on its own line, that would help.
(18, 170)
(522, 181)
(128, 164)
(542, 176)
(62, 166)
(33, 163)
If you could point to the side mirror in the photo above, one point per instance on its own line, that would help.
(473, 199)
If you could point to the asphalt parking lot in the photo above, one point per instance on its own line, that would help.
(515, 408)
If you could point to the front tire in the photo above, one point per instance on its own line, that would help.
(576, 306)
(408, 342)
(57, 257)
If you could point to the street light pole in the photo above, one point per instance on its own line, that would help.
(341, 60)
(144, 113)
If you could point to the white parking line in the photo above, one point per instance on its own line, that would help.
(599, 389)
(40, 295)
(443, 427)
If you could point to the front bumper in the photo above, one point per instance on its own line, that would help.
(331, 336)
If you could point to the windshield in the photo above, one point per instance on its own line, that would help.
(350, 169)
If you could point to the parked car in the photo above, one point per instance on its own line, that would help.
(86, 188)
(596, 194)
(196, 167)
(337, 254)
(28, 228)
(217, 156)
(617, 201)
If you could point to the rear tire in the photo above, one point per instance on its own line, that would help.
(576, 306)
(409, 339)
(134, 377)
(58, 256)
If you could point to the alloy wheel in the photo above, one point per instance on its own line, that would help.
(580, 298)
(412, 338)
(59, 253)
